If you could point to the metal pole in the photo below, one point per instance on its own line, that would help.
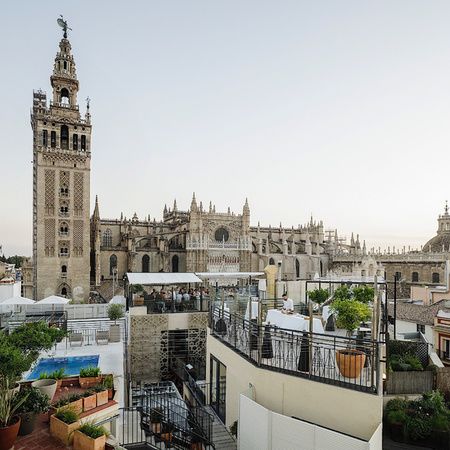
(395, 306)
(310, 336)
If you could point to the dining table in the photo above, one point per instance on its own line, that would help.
(294, 322)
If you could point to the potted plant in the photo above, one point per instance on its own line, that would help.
(89, 376)
(319, 295)
(90, 437)
(35, 403)
(89, 400)
(156, 418)
(350, 313)
(63, 423)
(76, 402)
(108, 382)
(58, 375)
(47, 386)
(102, 394)
(9, 420)
(115, 312)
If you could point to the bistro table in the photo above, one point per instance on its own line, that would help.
(294, 322)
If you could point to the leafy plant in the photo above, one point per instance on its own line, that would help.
(396, 404)
(115, 312)
(108, 382)
(363, 294)
(44, 376)
(350, 314)
(88, 393)
(67, 415)
(35, 401)
(318, 295)
(417, 427)
(98, 388)
(342, 293)
(396, 417)
(234, 428)
(92, 430)
(440, 422)
(90, 371)
(74, 397)
(63, 401)
(9, 403)
(405, 363)
(58, 374)
(13, 361)
(135, 288)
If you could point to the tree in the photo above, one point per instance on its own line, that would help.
(350, 313)
(318, 295)
(363, 294)
(115, 312)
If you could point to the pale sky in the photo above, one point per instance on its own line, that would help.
(336, 108)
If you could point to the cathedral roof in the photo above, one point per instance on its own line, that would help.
(439, 243)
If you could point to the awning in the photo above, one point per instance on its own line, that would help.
(214, 275)
(161, 278)
(53, 300)
(17, 301)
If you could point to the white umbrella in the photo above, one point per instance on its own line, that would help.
(119, 299)
(53, 300)
(17, 301)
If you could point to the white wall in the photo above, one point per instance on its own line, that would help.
(262, 429)
(10, 290)
(411, 327)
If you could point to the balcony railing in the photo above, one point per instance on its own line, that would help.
(315, 356)
(165, 306)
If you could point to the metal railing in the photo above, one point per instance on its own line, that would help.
(156, 306)
(351, 363)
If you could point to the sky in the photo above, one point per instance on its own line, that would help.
(338, 109)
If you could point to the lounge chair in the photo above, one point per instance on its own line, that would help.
(102, 337)
(75, 337)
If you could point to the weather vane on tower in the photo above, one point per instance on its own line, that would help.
(63, 24)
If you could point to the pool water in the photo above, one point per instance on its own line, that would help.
(70, 364)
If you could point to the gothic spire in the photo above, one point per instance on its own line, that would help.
(96, 209)
(194, 203)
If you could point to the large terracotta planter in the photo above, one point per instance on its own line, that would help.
(63, 431)
(46, 386)
(90, 402)
(83, 442)
(350, 362)
(9, 434)
(27, 423)
(102, 398)
(87, 382)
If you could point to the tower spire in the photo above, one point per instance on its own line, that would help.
(96, 209)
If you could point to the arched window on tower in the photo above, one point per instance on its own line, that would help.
(112, 264)
(175, 262)
(271, 262)
(75, 142)
(64, 292)
(53, 139)
(63, 271)
(64, 100)
(83, 142)
(44, 138)
(145, 263)
(107, 238)
(64, 137)
(415, 277)
(297, 268)
(435, 277)
(63, 229)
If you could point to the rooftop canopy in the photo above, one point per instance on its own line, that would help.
(17, 301)
(161, 278)
(234, 275)
(53, 300)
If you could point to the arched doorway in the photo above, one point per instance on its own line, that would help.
(145, 263)
(175, 261)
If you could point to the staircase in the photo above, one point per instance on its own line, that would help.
(221, 437)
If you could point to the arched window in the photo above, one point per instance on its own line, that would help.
(271, 262)
(53, 139)
(64, 292)
(64, 209)
(435, 277)
(63, 229)
(297, 268)
(415, 277)
(321, 268)
(64, 270)
(145, 263)
(175, 263)
(112, 263)
(44, 138)
(64, 137)
(107, 238)
(83, 142)
(64, 96)
(75, 141)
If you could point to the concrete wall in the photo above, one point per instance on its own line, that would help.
(411, 327)
(344, 410)
(8, 290)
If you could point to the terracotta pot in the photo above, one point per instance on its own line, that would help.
(46, 386)
(27, 423)
(350, 362)
(63, 431)
(89, 402)
(110, 394)
(77, 405)
(102, 398)
(86, 382)
(83, 442)
(9, 434)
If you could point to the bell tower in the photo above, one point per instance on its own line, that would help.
(61, 184)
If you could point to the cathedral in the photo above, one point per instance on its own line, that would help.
(76, 254)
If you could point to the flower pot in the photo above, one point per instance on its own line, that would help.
(102, 398)
(90, 402)
(46, 386)
(77, 405)
(27, 423)
(63, 431)
(86, 382)
(114, 333)
(350, 362)
(110, 394)
(83, 442)
(9, 434)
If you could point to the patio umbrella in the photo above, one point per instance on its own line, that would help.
(53, 300)
(119, 299)
(17, 301)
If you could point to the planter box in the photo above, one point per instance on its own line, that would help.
(102, 398)
(83, 442)
(409, 382)
(114, 333)
(86, 382)
(77, 406)
(90, 402)
(63, 431)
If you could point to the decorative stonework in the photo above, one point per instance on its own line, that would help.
(49, 192)
(49, 237)
(78, 237)
(78, 193)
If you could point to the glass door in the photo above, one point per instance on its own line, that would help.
(218, 377)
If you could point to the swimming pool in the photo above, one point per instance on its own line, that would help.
(70, 364)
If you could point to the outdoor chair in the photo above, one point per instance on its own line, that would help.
(75, 337)
(101, 337)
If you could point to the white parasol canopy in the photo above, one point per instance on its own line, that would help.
(17, 301)
(119, 299)
(53, 300)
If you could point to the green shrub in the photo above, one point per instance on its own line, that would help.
(441, 422)
(98, 388)
(108, 382)
(318, 295)
(88, 393)
(67, 415)
(363, 294)
(58, 374)
(44, 376)
(92, 430)
(90, 371)
(342, 293)
(396, 417)
(433, 403)
(350, 314)
(13, 361)
(405, 363)
(35, 401)
(417, 427)
(396, 404)
(115, 311)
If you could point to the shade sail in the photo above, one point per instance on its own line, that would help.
(160, 278)
(53, 300)
(209, 275)
(17, 301)
(119, 300)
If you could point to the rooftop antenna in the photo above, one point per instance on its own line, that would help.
(63, 24)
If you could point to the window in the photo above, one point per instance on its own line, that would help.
(271, 262)
(53, 139)
(420, 328)
(435, 277)
(64, 137)
(64, 292)
(145, 263)
(297, 268)
(415, 277)
(64, 191)
(107, 238)
(64, 96)
(175, 262)
(75, 141)
(112, 264)
(64, 251)
(83, 142)
(398, 276)
(64, 209)
(218, 385)
(63, 229)
(45, 138)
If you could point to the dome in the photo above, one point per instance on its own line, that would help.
(441, 242)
